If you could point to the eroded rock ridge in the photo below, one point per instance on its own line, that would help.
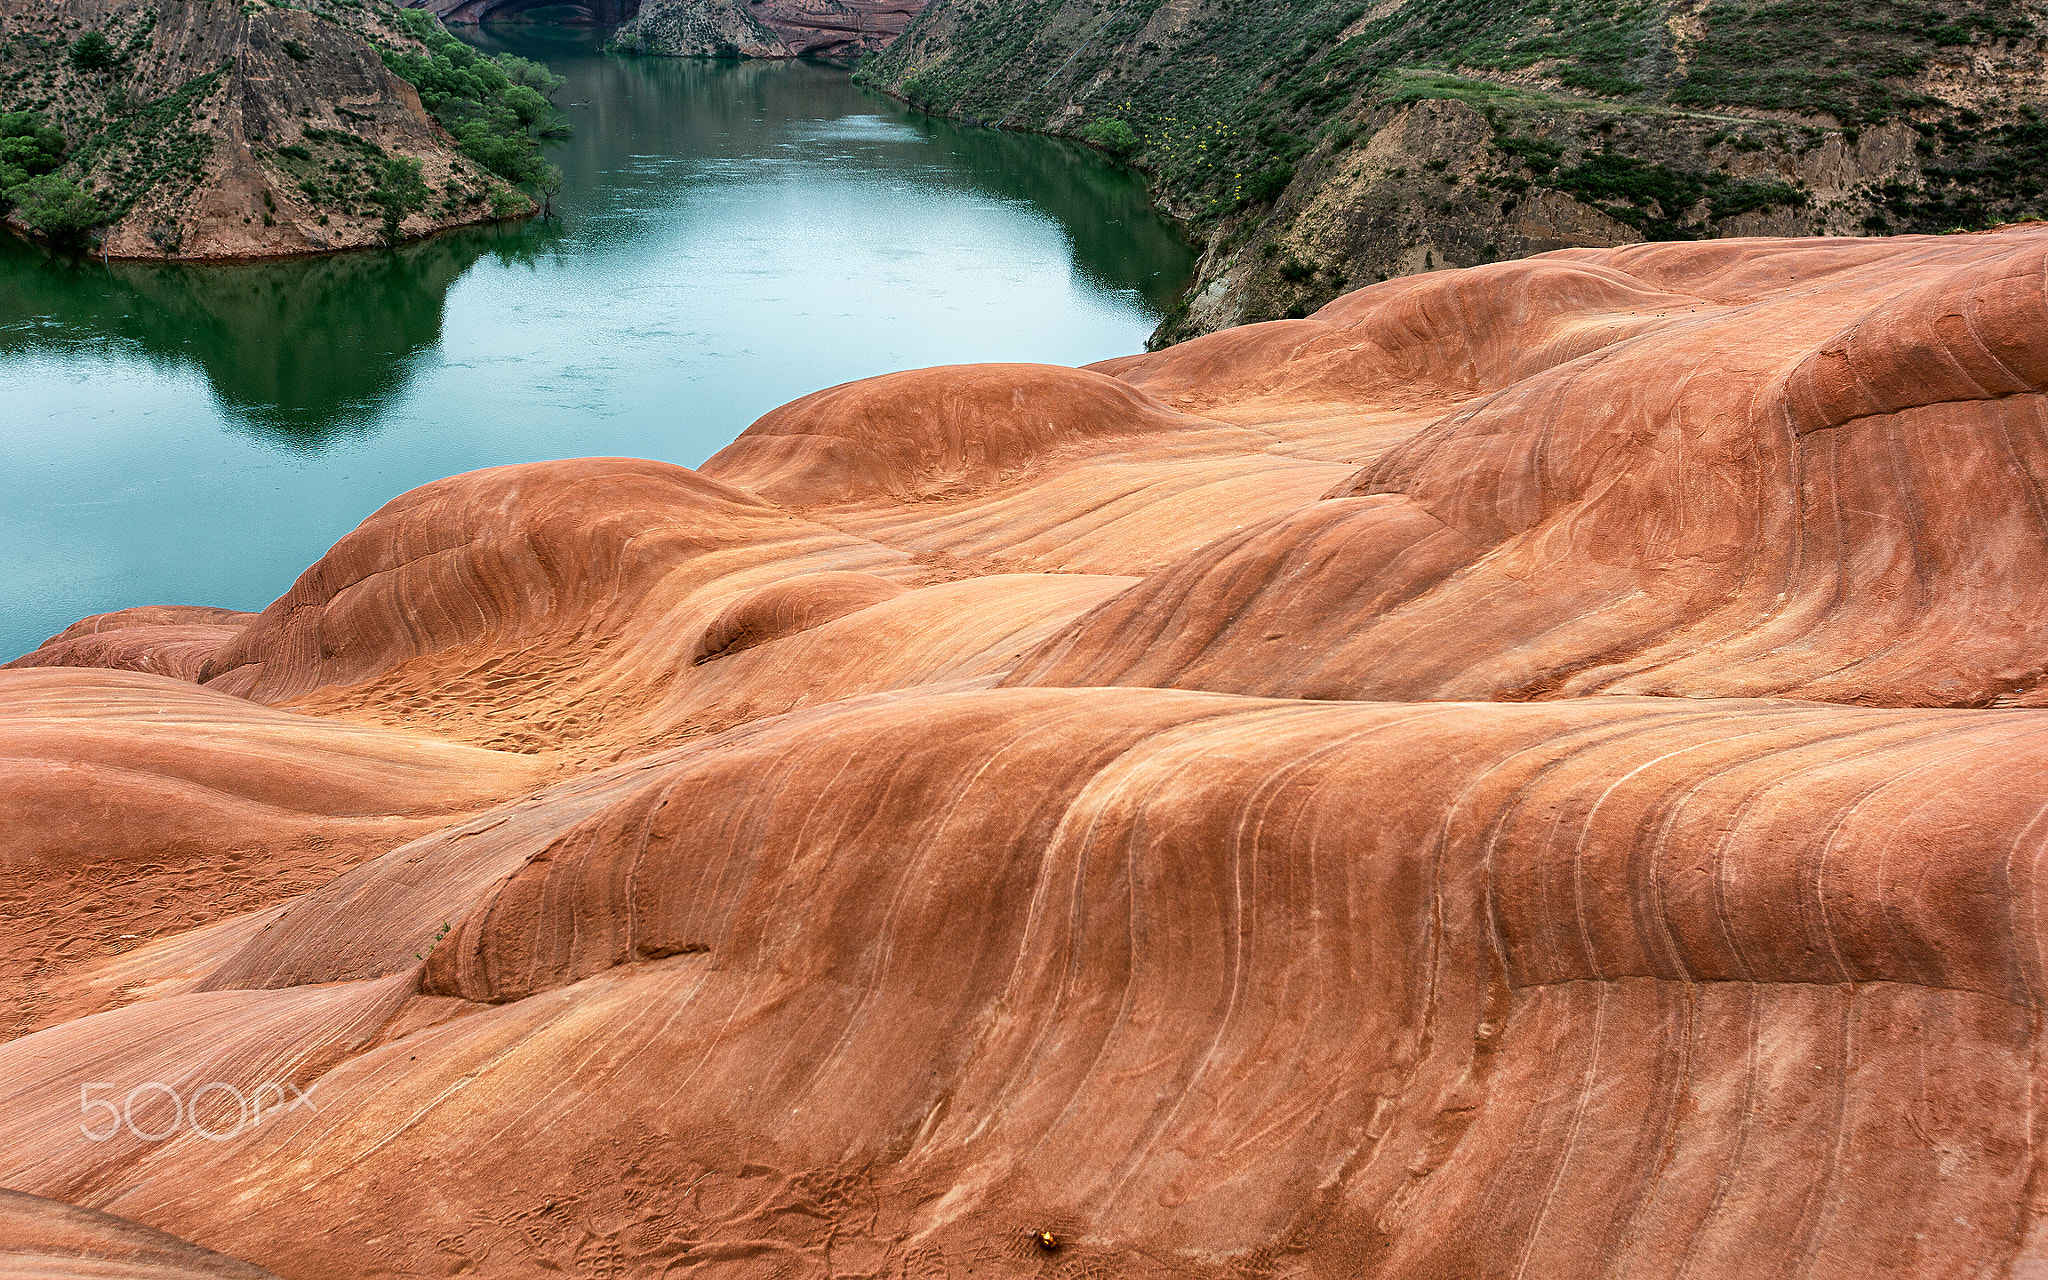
(1528, 771)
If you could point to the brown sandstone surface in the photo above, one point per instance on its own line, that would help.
(46, 1240)
(1530, 771)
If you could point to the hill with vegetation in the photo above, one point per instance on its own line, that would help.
(218, 129)
(1319, 146)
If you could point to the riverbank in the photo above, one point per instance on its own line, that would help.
(1316, 148)
(732, 236)
(262, 256)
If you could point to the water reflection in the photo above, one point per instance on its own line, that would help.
(759, 118)
(734, 236)
(305, 350)
(312, 350)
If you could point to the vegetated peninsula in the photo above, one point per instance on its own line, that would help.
(218, 129)
(1323, 145)
(831, 30)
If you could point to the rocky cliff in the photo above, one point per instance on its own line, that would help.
(215, 129)
(1533, 770)
(831, 29)
(599, 12)
(1319, 146)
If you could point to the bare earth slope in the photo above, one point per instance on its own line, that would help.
(226, 131)
(1530, 771)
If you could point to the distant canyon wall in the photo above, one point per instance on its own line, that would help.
(1320, 146)
(834, 29)
(473, 11)
(831, 29)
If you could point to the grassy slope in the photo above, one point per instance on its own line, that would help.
(1230, 102)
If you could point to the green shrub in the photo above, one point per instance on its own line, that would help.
(1742, 195)
(505, 202)
(497, 107)
(29, 148)
(400, 190)
(57, 208)
(527, 107)
(1540, 154)
(1114, 136)
(93, 52)
(525, 71)
(1267, 184)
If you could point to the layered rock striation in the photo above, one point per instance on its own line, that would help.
(460, 12)
(1534, 770)
(833, 30)
(46, 1239)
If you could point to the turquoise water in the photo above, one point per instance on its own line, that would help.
(733, 236)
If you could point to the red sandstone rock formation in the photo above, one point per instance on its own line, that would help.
(44, 1239)
(1210, 808)
(833, 29)
(838, 28)
(456, 12)
(162, 639)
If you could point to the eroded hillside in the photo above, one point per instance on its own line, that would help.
(216, 129)
(1317, 147)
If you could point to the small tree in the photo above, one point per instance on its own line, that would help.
(93, 52)
(29, 148)
(57, 208)
(505, 202)
(527, 105)
(549, 185)
(401, 189)
(532, 74)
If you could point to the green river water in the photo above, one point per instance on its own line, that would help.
(734, 235)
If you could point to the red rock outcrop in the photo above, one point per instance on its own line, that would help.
(46, 1239)
(169, 640)
(832, 29)
(458, 12)
(1830, 488)
(135, 807)
(1208, 809)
